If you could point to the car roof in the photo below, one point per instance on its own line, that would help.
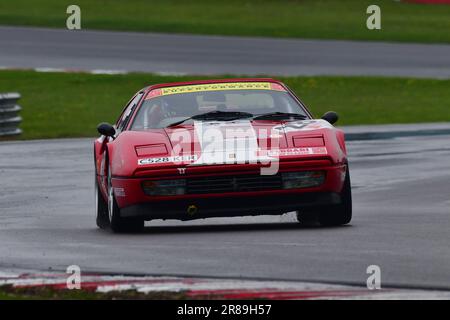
(194, 82)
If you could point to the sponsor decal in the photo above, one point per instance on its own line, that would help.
(215, 87)
(172, 159)
(297, 152)
(119, 192)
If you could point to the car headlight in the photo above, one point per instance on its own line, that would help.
(164, 187)
(304, 179)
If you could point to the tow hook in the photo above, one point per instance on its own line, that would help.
(191, 210)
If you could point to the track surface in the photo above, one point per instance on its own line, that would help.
(207, 55)
(401, 222)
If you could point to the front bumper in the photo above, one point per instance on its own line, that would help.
(133, 202)
(188, 209)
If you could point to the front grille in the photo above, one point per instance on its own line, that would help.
(240, 183)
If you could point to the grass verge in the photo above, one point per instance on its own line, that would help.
(323, 19)
(57, 105)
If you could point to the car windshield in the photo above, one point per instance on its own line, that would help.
(163, 110)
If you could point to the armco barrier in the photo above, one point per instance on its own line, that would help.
(9, 114)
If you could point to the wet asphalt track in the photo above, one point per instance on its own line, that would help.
(208, 55)
(401, 222)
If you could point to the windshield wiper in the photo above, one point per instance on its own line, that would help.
(215, 115)
(280, 115)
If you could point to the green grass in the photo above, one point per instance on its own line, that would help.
(59, 105)
(325, 19)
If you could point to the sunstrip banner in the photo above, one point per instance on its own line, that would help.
(215, 87)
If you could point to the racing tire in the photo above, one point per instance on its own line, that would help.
(332, 215)
(307, 218)
(339, 214)
(101, 206)
(118, 224)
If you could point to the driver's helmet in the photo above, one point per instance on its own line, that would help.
(215, 98)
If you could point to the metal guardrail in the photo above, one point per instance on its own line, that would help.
(9, 114)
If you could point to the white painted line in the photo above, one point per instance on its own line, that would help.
(92, 71)
(170, 73)
(103, 71)
(49, 70)
(9, 275)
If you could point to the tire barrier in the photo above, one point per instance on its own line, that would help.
(9, 114)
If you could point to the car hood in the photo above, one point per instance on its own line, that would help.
(219, 142)
(232, 137)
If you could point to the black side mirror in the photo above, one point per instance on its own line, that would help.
(106, 129)
(330, 116)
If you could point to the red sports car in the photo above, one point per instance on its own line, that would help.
(219, 148)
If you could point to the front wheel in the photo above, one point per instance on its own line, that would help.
(118, 224)
(101, 207)
(342, 213)
(332, 215)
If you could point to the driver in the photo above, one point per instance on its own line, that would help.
(153, 115)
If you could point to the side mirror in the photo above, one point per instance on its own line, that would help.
(330, 116)
(106, 129)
